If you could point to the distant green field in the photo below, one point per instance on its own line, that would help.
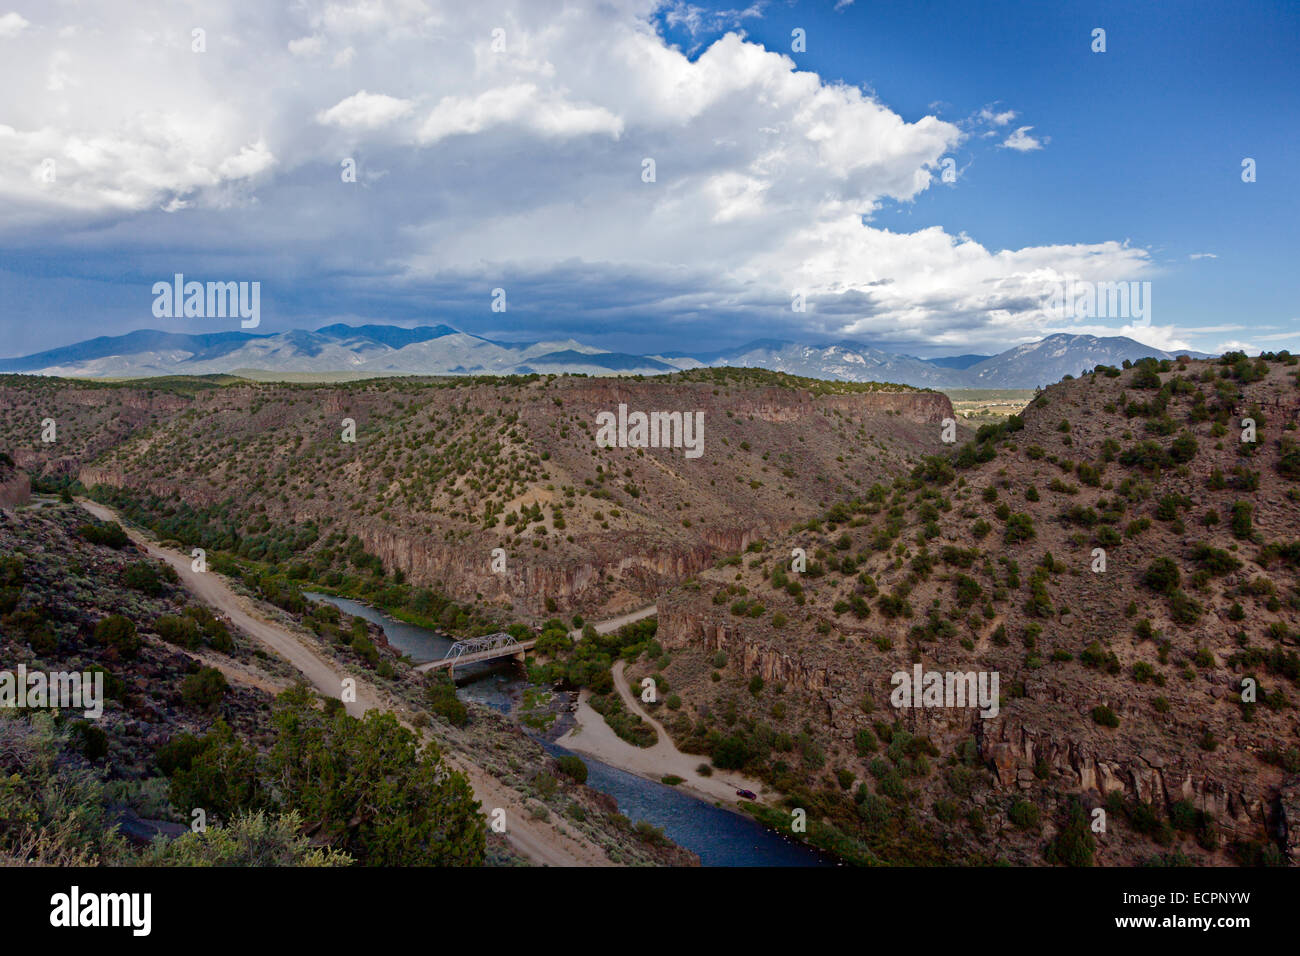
(978, 406)
(990, 396)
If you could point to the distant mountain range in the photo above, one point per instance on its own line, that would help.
(374, 350)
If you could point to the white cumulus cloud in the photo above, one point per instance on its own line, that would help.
(12, 24)
(364, 110)
(1021, 141)
(482, 161)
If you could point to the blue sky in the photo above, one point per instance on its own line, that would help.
(515, 161)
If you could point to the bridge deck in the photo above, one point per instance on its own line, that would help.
(509, 650)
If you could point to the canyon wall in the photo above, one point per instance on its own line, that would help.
(610, 571)
(772, 403)
(1013, 747)
(642, 567)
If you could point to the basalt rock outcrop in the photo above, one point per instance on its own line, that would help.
(1289, 808)
(680, 628)
(605, 566)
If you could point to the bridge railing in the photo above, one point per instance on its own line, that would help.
(477, 645)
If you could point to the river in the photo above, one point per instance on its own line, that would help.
(719, 837)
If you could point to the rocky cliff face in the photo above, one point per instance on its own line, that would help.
(679, 627)
(770, 404)
(195, 494)
(630, 572)
(926, 408)
(1013, 750)
(1289, 806)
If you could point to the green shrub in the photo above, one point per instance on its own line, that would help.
(1162, 576)
(143, 576)
(93, 740)
(1104, 716)
(204, 689)
(444, 703)
(1074, 842)
(1024, 815)
(572, 766)
(110, 535)
(1020, 527)
(117, 632)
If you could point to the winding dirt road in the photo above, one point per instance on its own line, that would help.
(212, 589)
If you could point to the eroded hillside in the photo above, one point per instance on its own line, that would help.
(1159, 690)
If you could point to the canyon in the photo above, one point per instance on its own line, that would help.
(631, 522)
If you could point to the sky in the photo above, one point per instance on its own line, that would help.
(920, 177)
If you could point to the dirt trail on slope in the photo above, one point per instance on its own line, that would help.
(213, 590)
(543, 843)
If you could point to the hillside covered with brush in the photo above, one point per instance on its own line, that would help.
(443, 472)
(1125, 556)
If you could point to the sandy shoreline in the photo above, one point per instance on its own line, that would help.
(593, 737)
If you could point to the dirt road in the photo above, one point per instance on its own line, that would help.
(213, 589)
(614, 623)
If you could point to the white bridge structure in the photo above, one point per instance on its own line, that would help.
(476, 649)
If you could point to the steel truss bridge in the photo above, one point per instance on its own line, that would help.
(476, 649)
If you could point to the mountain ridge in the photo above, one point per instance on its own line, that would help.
(441, 349)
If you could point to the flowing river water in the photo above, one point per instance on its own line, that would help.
(719, 837)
